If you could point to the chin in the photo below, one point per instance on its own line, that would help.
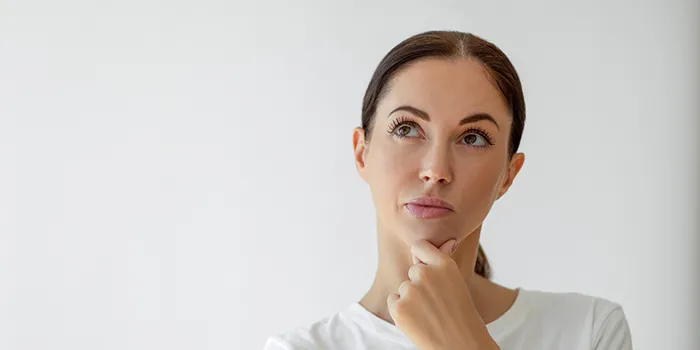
(432, 231)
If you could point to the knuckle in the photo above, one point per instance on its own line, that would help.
(406, 289)
(419, 270)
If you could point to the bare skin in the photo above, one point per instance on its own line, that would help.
(437, 148)
(491, 299)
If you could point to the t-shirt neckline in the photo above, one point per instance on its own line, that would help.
(508, 320)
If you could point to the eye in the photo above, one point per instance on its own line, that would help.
(404, 127)
(406, 130)
(476, 138)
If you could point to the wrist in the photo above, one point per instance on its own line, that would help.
(492, 345)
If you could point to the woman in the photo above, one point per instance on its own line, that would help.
(442, 120)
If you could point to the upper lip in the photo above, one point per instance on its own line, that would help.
(429, 201)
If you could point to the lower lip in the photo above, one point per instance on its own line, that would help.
(426, 212)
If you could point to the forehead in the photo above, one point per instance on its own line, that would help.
(446, 88)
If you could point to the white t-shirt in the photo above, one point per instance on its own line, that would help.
(536, 320)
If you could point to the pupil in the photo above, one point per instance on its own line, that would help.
(470, 138)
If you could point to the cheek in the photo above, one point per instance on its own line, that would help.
(391, 168)
(479, 186)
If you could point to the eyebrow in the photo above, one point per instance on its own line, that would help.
(466, 120)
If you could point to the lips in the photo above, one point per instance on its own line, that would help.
(426, 207)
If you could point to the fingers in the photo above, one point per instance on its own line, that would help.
(448, 247)
(424, 255)
(406, 288)
(397, 308)
(392, 299)
(416, 260)
(417, 272)
(429, 254)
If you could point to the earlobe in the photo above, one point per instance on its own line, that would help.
(359, 147)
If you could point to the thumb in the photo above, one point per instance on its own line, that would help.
(448, 247)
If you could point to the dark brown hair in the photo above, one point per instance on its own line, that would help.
(451, 45)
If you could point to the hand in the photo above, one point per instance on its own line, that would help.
(434, 307)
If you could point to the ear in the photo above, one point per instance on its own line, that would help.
(359, 150)
(516, 163)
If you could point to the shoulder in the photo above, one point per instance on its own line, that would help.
(321, 334)
(309, 336)
(601, 321)
(553, 304)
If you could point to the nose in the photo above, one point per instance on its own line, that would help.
(437, 167)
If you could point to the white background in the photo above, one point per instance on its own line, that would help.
(179, 175)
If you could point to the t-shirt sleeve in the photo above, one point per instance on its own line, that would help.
(614, 333)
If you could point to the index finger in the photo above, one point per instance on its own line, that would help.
(429, 254)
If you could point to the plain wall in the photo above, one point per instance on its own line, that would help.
(179, 175)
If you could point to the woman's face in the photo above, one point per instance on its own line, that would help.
(441, 132)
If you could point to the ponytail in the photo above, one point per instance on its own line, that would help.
(482, 267)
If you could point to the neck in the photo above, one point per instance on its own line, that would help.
(395, 260)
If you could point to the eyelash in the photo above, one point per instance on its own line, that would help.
(404, 120)
(398, 122)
